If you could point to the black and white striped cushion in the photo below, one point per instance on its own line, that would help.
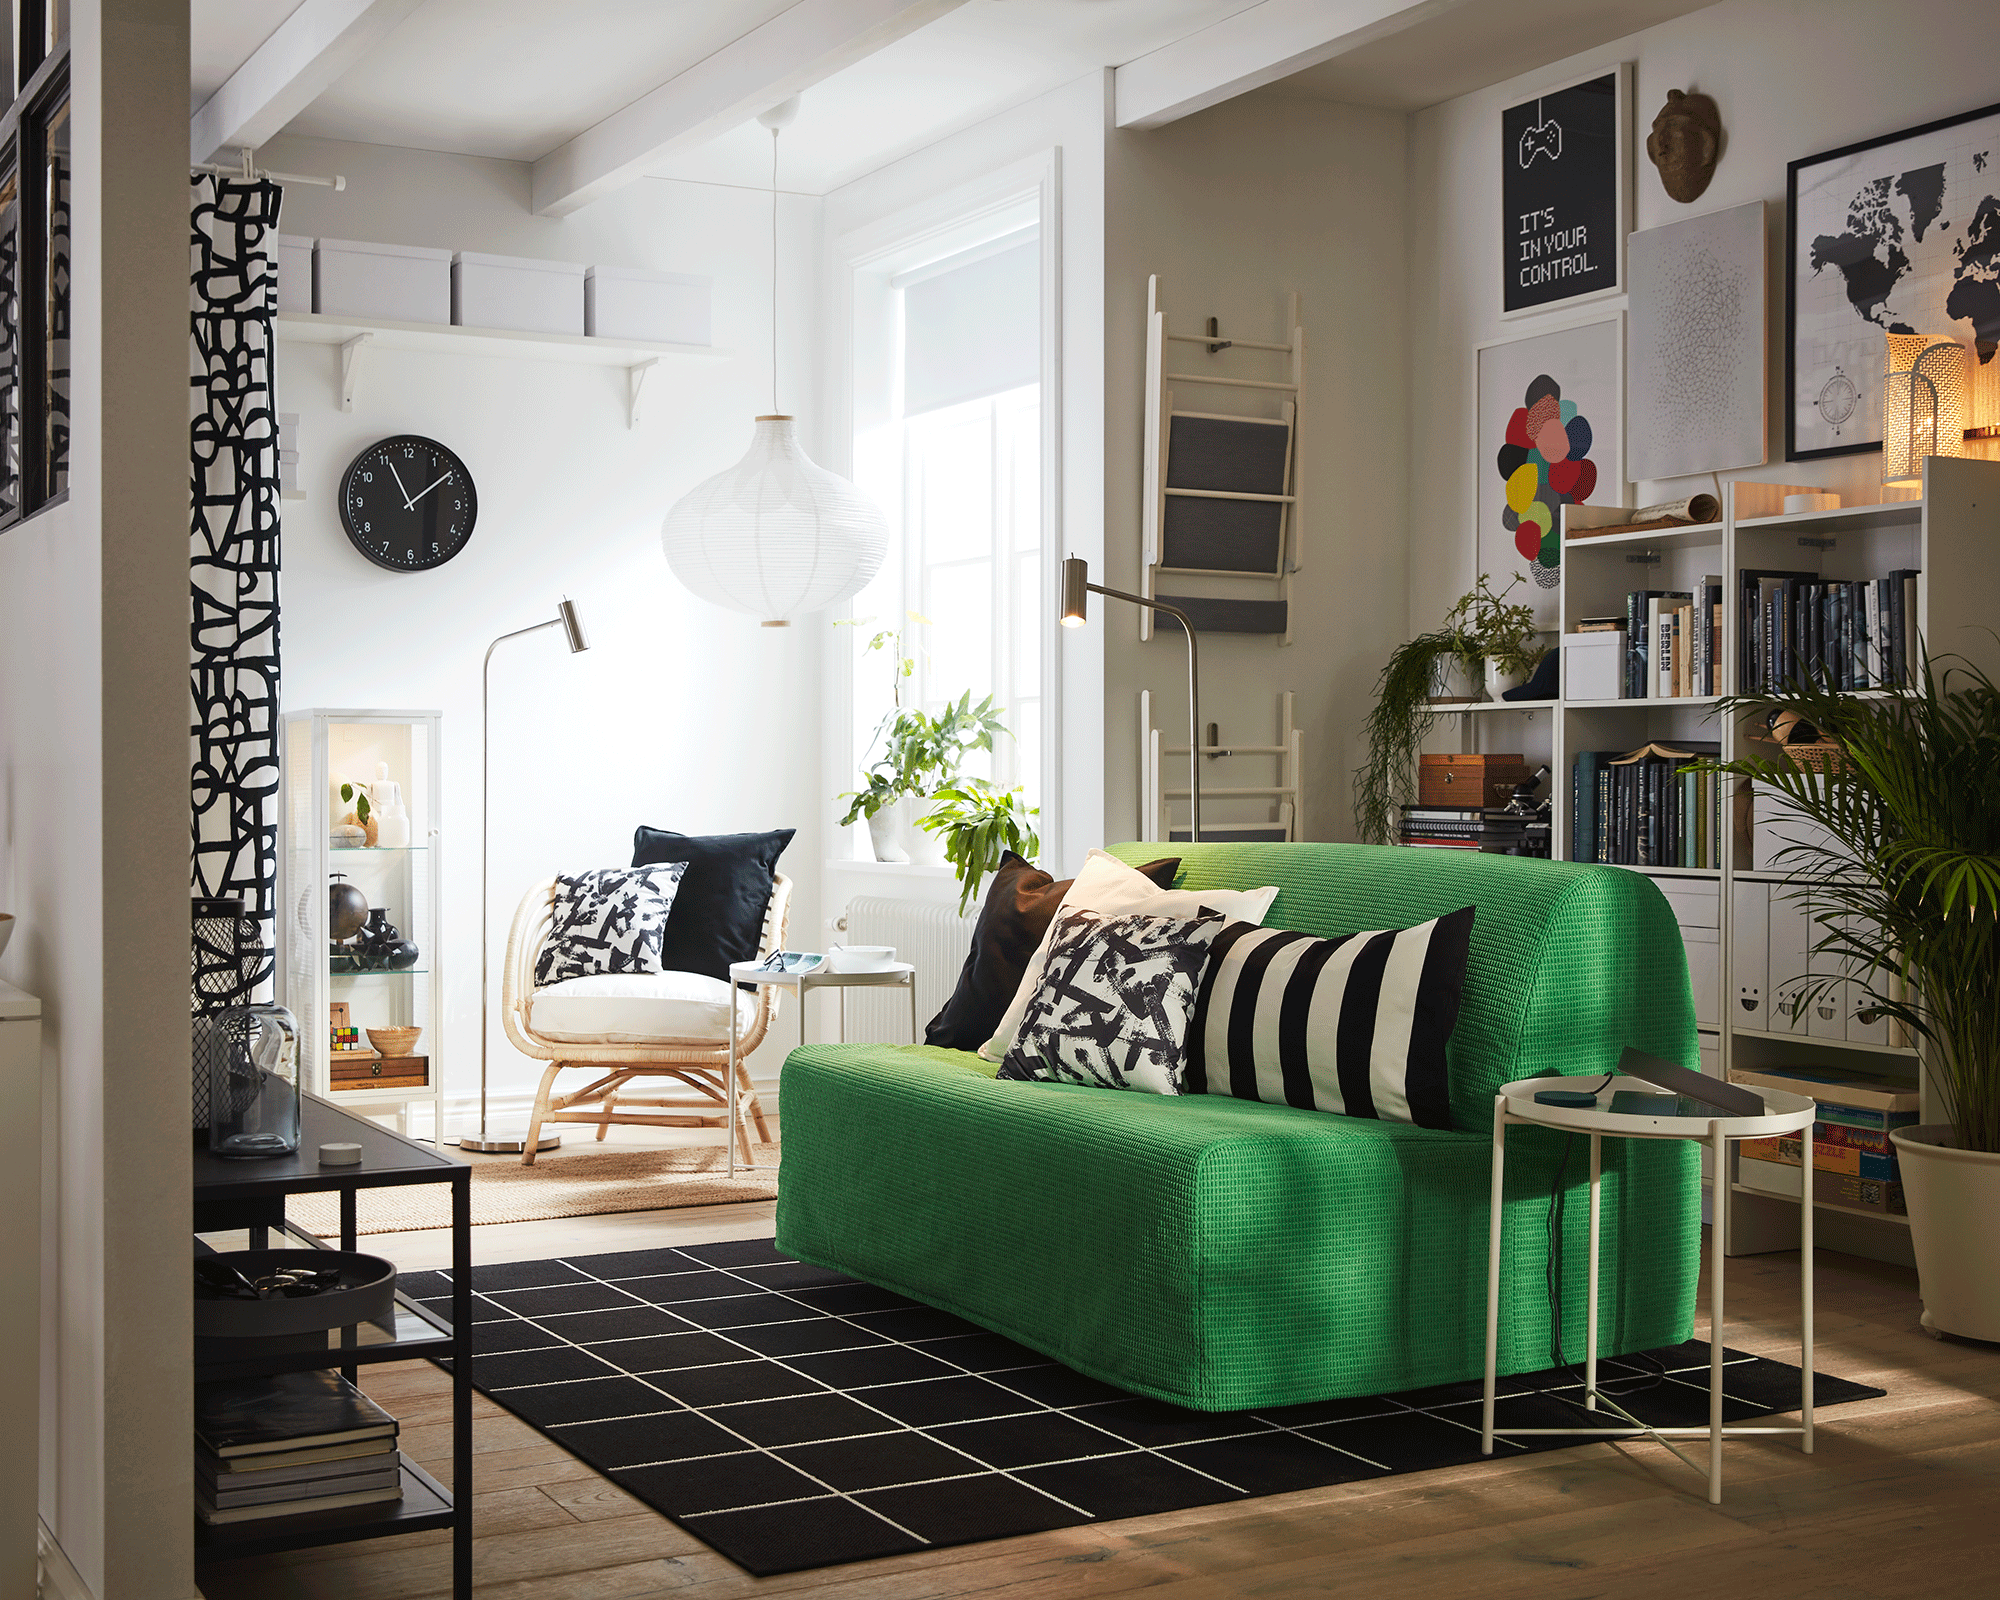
(1355, 1025)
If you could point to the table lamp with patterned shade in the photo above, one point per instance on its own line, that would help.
(1926, 392)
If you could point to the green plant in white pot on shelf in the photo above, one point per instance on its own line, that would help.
(1505, 640)
(979, 824)
(1905, 893)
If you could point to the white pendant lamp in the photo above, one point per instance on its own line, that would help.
(776, 535)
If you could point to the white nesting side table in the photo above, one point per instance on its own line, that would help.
(1783, 1113)
(898, 974)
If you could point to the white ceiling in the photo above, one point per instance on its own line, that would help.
(224, 33)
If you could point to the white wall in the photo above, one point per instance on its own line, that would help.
(1233, 208)
(94, 829)
(1790, 78)
(681, 715)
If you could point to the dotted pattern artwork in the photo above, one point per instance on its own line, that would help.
(1544, 465)
(233, 551)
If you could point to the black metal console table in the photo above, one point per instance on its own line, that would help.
(233, 1195)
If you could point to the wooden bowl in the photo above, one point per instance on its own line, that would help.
(394, 1041)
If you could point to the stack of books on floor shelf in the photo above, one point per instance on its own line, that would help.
(1839, 634)
(1643, 808)
(1494, 829)
(1673, 641)
(1854, 1163)
(303, 1441)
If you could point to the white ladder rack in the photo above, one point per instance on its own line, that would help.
(1287, 795)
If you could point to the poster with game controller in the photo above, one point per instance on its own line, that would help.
(1563, 186)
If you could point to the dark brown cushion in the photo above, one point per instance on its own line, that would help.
(1019, 908)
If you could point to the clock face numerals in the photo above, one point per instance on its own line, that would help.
(408, 504)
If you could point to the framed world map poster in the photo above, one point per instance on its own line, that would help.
(1897, 235)
(1550, 430)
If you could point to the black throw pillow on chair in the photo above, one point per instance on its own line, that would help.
(718, 914)
(1019, 908)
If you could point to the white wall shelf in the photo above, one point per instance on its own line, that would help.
(1889, 1217)
(637, 356)
(1695, 533)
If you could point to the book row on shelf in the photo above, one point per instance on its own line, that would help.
(302, 1441)
(1838, 634)
(1643, 808)
(1495, 830)
(1673, 641)
(1854, 1162)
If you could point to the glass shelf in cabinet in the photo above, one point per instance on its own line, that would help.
(375, 849)
(379, 972)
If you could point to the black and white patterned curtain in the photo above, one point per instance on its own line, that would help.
(233, 555)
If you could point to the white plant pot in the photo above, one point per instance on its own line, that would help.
(885, 833)
(1954, 1201)
(926, 849)
(1498, 682)
(1451, 684)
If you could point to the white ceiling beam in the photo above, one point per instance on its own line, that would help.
(1267, 42)
(798, 48)
(291, 69)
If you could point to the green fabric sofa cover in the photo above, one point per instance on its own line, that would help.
(1222, 1254)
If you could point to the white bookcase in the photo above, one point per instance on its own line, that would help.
(1729, 914)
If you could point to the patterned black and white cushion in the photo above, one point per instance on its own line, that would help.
(609, 921)
(1356, 1025)
(1114, 1003)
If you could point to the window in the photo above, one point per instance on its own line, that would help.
(35, 172)
(949, 442)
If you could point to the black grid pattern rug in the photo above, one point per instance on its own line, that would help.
(793, 1418)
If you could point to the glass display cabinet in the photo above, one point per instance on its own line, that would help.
(359, 891)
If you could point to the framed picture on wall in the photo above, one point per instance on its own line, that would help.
(1894, 235)
(1565, 191)
(1550, 426)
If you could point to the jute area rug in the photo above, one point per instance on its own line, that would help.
(593, 1185)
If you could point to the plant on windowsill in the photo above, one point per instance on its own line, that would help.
(1905, 893)
(979, 824)
(1481, 629)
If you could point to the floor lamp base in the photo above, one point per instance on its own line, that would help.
(503, 1144)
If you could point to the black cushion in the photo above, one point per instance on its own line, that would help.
(1018, 909)
(718, 915)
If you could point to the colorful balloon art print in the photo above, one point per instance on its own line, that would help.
(1544, 465)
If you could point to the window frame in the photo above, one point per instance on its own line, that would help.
(24, 143)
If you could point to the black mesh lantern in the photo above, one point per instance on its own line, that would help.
(227, 957)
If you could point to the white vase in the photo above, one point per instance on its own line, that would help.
(1954, 1201)
(1451, 684)
(926, 849)
(1498, 682)
(885, 833)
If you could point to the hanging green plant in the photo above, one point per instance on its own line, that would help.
(980, 824)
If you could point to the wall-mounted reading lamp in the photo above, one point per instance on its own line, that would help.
(1076, 590)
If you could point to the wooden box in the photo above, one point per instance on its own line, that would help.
(1470, 780)
(364, 1069)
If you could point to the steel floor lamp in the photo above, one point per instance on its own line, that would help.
(1076, 590)
(572, 627)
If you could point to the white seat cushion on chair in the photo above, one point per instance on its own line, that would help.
(638, 1008)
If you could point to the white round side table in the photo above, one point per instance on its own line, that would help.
(1783, 1113)
(896, 975)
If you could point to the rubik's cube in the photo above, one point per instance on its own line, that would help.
(347, 1038)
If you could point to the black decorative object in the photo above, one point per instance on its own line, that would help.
(253, 1083)
(1563, 193)
(408, 503)
(346, 909)
(234, 551)
(228, 959)
(1544, 683)
(251, 1294)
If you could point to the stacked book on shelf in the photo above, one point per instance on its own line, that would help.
(303, 1441)
(1673, 642)
(1853, 1161)
(1836, 633)
(1643, 808)
(1497, 830)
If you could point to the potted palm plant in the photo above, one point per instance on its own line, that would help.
(1905, 893)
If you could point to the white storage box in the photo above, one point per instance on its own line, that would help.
(295, 272)
(517, 293)
(1593, 666)
(381, 282)
(632, 303)
(1775, 827)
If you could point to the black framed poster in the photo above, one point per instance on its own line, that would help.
(1563, 189)
(1895, 235)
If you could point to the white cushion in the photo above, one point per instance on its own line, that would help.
(1108, 885)
(638, 1008)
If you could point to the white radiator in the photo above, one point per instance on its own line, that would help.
(933, 937)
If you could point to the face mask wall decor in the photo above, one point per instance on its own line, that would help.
(1685, 144)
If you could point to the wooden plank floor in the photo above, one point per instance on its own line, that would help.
(1901, 1498)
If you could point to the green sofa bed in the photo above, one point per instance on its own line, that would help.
(1222, 1254)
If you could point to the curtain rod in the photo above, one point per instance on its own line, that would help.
(250, 174)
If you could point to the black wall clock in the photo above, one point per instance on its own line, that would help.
(408, 503)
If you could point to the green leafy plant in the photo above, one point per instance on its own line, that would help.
(980, 824)
(353, 796)
(1487, 628)
(922, 754)
(1397, 725)
(1905, 893)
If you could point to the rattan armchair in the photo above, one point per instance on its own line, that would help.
(696, 1094)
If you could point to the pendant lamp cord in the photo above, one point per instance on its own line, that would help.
(774, 272)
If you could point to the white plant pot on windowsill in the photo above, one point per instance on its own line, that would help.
(1954, 1200)
(885, 833)
(926, 849)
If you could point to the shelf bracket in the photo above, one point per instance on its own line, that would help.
(350, 367)
(635, 382)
